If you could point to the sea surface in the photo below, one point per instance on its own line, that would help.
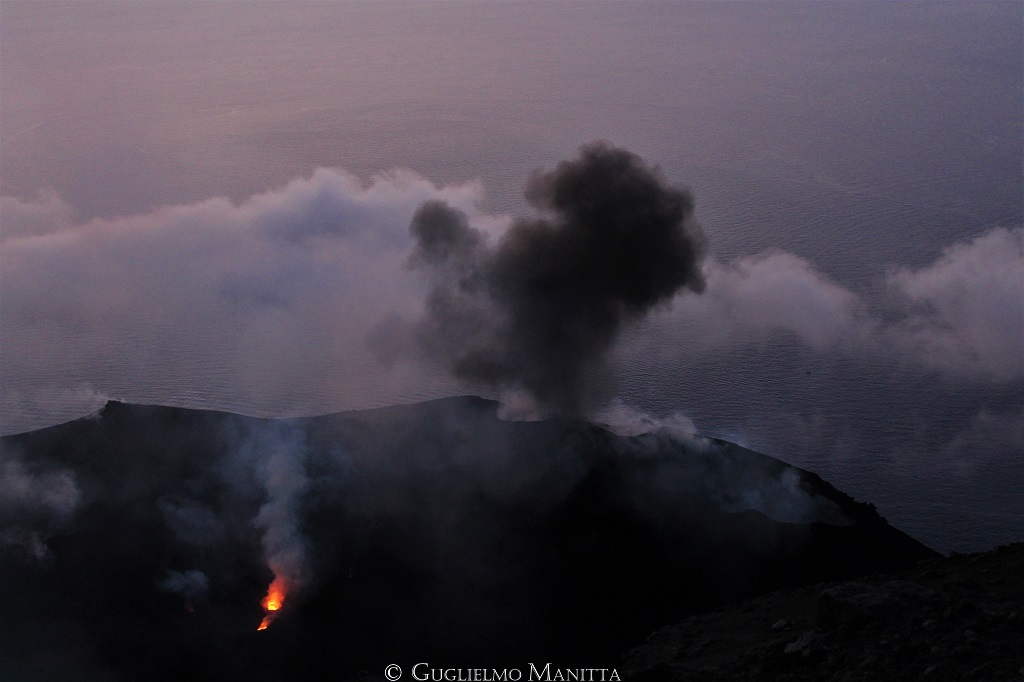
(859, 136)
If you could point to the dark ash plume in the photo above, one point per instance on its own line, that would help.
(541, 310)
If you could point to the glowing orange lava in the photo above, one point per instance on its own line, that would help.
(273, 601)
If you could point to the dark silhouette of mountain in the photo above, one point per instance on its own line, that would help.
(431, 532)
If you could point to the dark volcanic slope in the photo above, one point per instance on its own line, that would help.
(431, 532)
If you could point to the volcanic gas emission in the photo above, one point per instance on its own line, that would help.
(273, 601)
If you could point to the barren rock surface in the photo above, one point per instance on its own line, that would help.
(957, 618)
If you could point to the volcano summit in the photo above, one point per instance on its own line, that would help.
(431, 532)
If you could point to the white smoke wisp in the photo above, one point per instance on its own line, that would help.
(962, 316)
(247, 297)
(520, 406)
(276, 455)
(753, 297)
(25, 407)
(191, 522)
(990, 439)
(46, 213)
(626, 420)
(781, 498)
(726, 474)
(191, 585)
(282, 542)
(966, 310)
(285, 480)
(34, 502)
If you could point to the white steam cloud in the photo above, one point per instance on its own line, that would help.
(268, 301)
(962, 316)
(776, 291)
(277, 454)
(626, 420)
(967, 309)
(734, 481)
(266, 306)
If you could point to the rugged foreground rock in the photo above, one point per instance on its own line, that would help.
(960, 618)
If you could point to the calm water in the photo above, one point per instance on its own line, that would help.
(856, 135)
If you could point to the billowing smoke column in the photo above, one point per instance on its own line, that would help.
(542, 309)
(278, 453)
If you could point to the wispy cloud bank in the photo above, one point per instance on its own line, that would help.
(284, 290)
(256, 295)
(965, 312)
(961, 316)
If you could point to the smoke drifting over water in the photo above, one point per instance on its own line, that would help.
(541, 310)
(284, 290)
